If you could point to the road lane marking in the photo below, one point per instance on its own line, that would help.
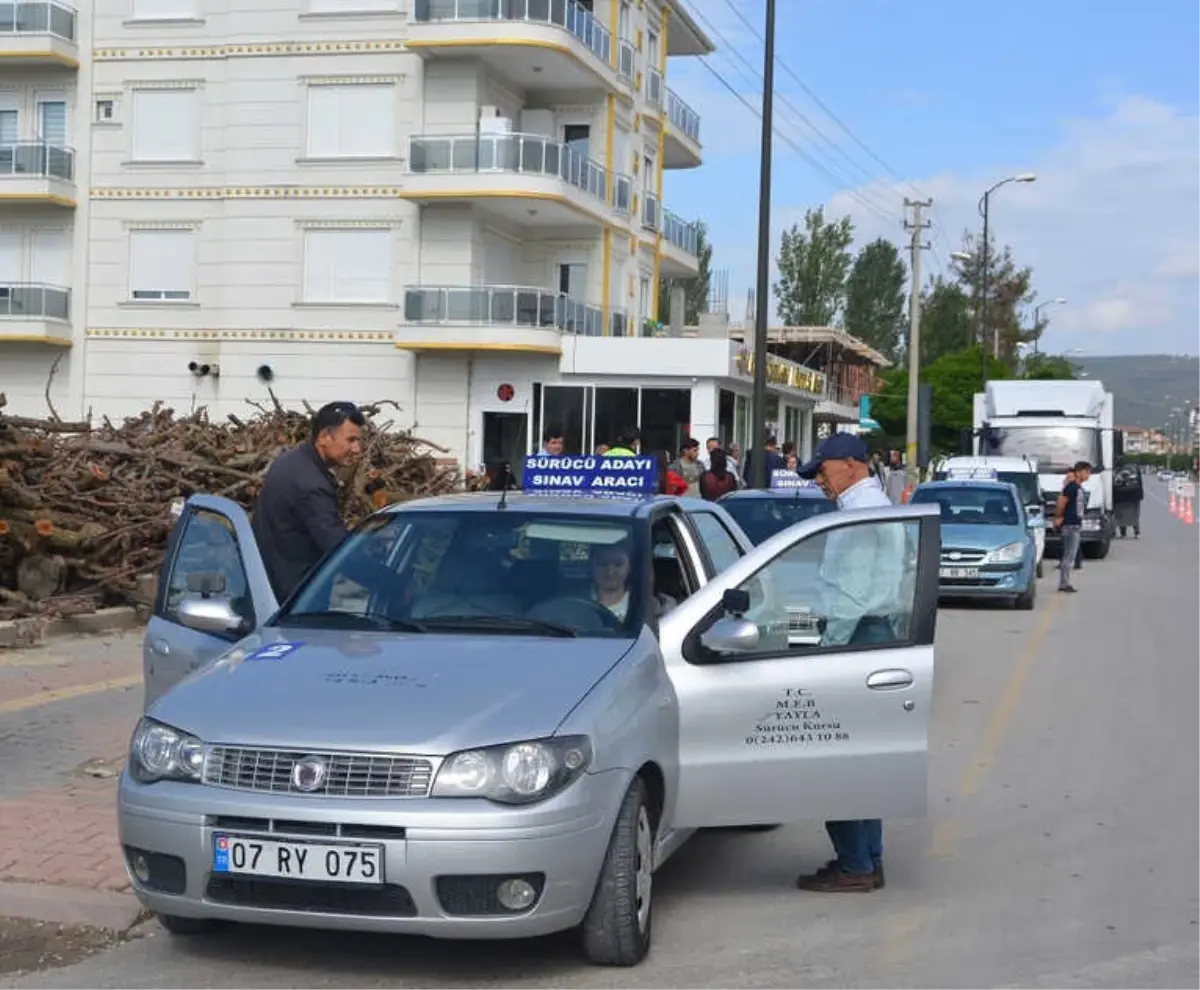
(66, 694)
(900, 931)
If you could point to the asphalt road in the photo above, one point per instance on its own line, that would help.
(1061, 848)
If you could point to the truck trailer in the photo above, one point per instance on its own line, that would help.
(1055, 424)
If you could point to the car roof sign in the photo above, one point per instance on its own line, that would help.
(972, 474)
(589, 474)
(786, 479)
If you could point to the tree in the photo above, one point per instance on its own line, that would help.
(1048, 366)
(695, 289)
(875, 298)
(1008, 291)
(945, 320)
(813, 264)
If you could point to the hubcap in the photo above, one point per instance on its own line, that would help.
(644, 867)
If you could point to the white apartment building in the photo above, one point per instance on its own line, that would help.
(457, 205)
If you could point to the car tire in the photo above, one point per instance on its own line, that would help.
(616, 929)
(1025, 602)
(1040, 569)
(184, 926)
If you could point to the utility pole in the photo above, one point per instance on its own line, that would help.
(915, 248)
(762, 305)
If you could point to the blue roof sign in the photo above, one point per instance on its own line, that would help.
(972, 474)
(784, 478)
(586, 474)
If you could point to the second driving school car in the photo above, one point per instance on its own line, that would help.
(496, 715)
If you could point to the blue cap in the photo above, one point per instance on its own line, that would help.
(838, 447)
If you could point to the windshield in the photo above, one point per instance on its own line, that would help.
(1054, 448)
(762, 518)
(970, 506)
(495, 571)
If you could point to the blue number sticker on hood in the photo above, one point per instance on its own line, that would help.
(276, 651)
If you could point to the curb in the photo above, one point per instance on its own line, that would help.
(107, 909)
(19, 633)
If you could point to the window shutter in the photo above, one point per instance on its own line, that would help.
(161, 264)
(348, 266)
(53, 122)
(323, 113)
(10, 257)
(165, 125)
(52, 257)
(320, 259)
(352, 121)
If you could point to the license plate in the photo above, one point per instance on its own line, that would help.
(959, 572)
(321, 862)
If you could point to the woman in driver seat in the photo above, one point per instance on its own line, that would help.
(610, 581)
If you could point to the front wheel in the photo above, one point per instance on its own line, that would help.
(616, 928)
(1040, 569)
(1025, 602)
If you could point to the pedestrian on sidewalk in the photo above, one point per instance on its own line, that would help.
(297, 518)
(1068, 520)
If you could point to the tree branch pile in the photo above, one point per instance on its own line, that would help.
(85, 510)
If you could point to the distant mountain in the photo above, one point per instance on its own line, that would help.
(1145, 387)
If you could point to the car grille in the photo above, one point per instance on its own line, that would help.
(964, 558)
(389, 900)
(369, 775)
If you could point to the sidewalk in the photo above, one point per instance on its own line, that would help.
(67, 709)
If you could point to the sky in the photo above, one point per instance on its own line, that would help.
(941, 99)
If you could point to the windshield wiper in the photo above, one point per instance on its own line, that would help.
(356, 620)
(492, 623)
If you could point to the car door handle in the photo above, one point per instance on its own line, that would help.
(889, 680)
(162, 647)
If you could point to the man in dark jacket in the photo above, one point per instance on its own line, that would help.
(297, 519)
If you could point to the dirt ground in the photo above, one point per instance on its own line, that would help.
(27, 946)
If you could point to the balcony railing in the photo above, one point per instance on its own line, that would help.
(565, 14)
(34, 301)
(654, 87)
(625, 60)
(622, 193)
(529, 154)
(685, 236)
(502, 305)
(650, 211)
(683, 116)
(37, 17)
(34, 158)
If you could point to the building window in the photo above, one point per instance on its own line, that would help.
(106, 111)
(352, 121)
(52, 122)
(348, 266)
(164, 10)
(162, 265)
(166, 125)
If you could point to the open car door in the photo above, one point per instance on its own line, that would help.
(213, 591)
(804, 674)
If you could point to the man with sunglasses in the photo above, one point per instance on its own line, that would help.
(297, 518)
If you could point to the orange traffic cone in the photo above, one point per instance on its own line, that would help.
(1187, 512)
(1171, 505)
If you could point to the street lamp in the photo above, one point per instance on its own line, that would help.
(1037, 317)
(984, 202)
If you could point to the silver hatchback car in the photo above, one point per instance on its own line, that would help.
(495, 716)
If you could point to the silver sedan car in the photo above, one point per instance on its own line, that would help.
(496, 716)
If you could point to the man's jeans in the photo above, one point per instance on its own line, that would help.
(859, 843)
(1070, 549)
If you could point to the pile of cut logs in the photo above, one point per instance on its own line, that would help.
(86, 509)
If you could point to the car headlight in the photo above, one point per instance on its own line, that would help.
(1006, 554)
(159, 752)
(515, 773)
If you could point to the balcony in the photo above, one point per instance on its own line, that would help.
(682, 146)
(35, 313)
(37, 172)
(38, 32)
(680, 247)
(542, 45)
(529, 179)
(498, 317)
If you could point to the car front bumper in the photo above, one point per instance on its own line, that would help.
(993, 581)
(442, 857)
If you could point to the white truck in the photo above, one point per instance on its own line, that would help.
(1055, 424)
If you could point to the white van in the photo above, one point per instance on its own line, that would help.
(1017, 471)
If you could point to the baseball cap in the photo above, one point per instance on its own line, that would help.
(838, 447)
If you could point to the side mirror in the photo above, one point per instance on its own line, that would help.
(211, 615)
(730, 635)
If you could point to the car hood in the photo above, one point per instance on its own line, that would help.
(379, 691)
(969, 537)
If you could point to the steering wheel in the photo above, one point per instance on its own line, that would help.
(579, 613)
